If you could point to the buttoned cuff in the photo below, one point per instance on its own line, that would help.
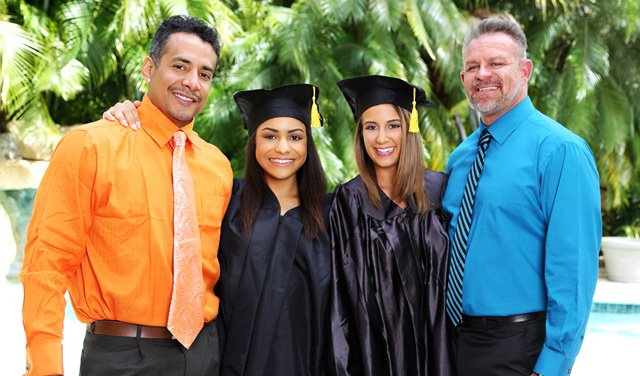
(552, 363)
(44, 359)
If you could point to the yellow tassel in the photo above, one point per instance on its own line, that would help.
(315, 115)
(413, 123)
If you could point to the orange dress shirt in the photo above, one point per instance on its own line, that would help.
(102, 227)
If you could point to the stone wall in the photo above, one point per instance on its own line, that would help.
(19, 180)
(7, 242)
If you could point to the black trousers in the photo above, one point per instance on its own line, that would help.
(499, 350)
(111, 355)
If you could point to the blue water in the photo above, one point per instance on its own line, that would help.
(622, 324)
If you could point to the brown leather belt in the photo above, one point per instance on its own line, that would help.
(123, 329)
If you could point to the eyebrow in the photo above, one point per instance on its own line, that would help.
(187, 61)
(490, 58)
(277, 131)
(375, 122)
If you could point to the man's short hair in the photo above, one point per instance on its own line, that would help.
(498, 25)
(182, 24)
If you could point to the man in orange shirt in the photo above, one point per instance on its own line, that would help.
(103, 226)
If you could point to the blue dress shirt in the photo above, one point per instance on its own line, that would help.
(536, 228)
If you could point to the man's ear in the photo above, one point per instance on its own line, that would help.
(148, 66)
(526, 67)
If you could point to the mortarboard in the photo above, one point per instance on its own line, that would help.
(296, 101)
(368, 91)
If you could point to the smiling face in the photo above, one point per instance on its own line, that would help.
(180, 81)
(281, 148)
(382, 135)
(495, 75)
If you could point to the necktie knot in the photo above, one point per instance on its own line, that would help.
(485, 137)
(179, 138)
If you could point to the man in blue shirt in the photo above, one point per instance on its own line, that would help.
(530, 245)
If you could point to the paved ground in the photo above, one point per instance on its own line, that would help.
(610, 347)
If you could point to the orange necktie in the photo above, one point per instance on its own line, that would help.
(186, 313)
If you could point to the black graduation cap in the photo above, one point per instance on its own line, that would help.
(368, 91)
(296, 101)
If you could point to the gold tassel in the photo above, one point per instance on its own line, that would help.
(315, 115)
(413, 123)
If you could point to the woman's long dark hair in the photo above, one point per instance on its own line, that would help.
(312, 187)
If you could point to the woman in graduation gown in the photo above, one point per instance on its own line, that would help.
(389, 244)
(274, 249)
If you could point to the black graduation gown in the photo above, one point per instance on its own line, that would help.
(389, 269)
(274, 291)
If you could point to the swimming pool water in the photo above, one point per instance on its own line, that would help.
(622, 324)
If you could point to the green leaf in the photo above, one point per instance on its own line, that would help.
(414, 19)
(590, 59)
(19, 51)
(615, 114)
(386, 13)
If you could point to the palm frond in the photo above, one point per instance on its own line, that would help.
(131, 21)
(631, 15)
(19, 52)
(350, 11)
(590, 59)
(388, 13)
(35, 123)
(131, 66)
(412, 12)
(563, 105)
(66, 81)
(615, 114)
(541, 36)
(446, 25)
(227, 23)
(98, 52)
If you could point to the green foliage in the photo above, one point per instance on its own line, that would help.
(624, 221)
(589, 61)
(19, 52)
(67, 61)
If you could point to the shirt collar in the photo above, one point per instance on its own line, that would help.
(160, 127)
(502, 128)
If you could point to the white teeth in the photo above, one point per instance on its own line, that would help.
(488, 88)
(281, 160)
(385, 150)
(183, 97)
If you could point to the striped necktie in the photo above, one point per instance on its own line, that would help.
(186, 312)
(461, 235)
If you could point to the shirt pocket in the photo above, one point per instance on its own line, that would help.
(210, 210)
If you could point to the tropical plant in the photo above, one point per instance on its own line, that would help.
(67, 61)
(322, 42)
(585, 57)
